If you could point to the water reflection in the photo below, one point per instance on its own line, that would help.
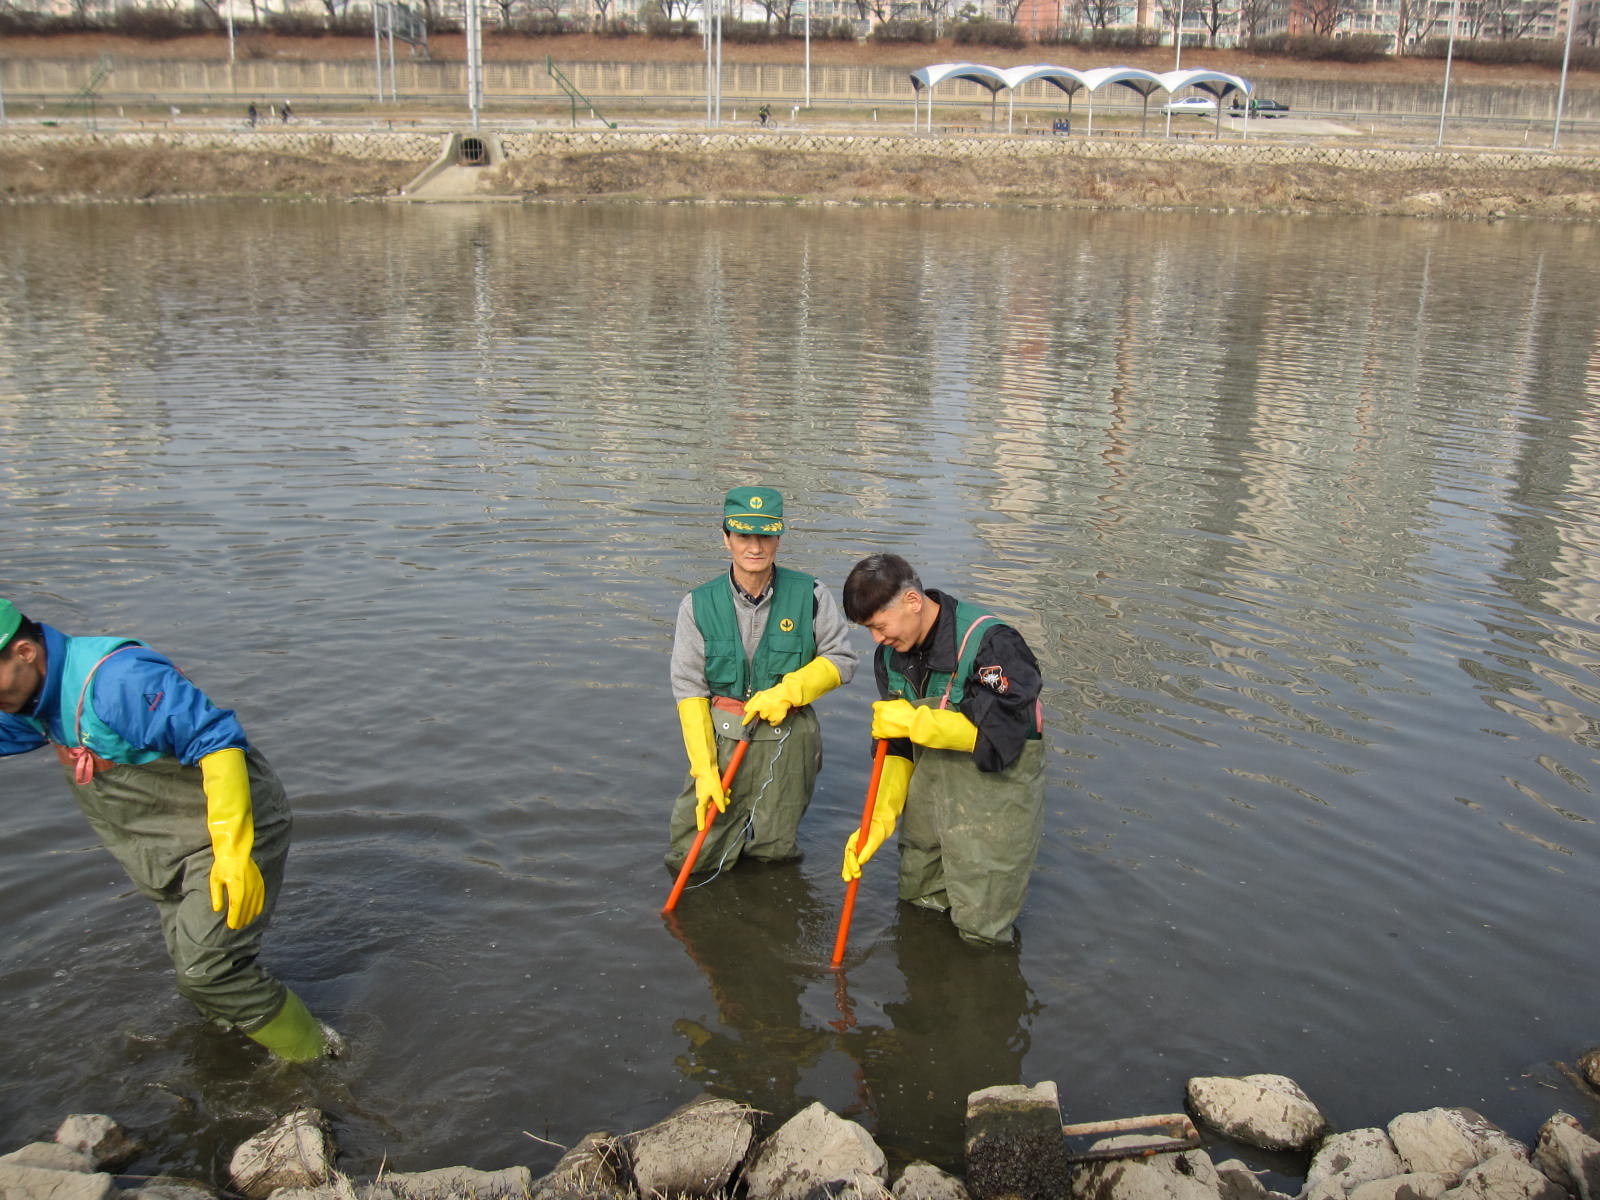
(1297, 515)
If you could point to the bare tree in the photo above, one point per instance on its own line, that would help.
(1253, 15)
(1414, 23)
(1511, 19)
(1098, 14)
(1216, 17)
(1006, 10)
(873, 11)
(779, 11)
(1323, 17)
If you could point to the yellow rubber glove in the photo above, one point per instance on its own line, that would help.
(817, 678)
(936, 728)
(886, 810)
(233, 836)
(700, 740)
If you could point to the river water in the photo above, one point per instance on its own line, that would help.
(1300, 516)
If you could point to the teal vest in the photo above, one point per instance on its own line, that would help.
(83, 653)
(788, 643)
(942, 686)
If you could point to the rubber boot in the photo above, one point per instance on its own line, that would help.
(294, 1034)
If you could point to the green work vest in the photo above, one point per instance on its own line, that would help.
(788, 643)
(946, 688)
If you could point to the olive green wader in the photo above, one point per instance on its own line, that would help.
(968, 839)
(152, 817)
(770, 793)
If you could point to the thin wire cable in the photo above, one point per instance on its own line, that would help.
(755, 806)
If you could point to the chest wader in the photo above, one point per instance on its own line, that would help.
(772, 790)
(968, 840)
(770, 793)
(152, 817)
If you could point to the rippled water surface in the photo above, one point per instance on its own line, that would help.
(1299, 515)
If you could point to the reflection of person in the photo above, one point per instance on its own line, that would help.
(193, 813)
(961, 711)
(753, 648)
(962, 1023)
(758, 949)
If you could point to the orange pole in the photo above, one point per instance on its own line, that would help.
(700, 838)
(878, 756)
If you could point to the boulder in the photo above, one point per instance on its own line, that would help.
(1269, 1111)
(295, 1151)
(1236, 1181)
(168, 1187)
(1505, 1176)
(860, 1186)
(812, 1147)
(447, 1183)
(693, 1152)
(1421, 1185)
(1589, 1065)
(924, 1181)
(1187, 1175)
(98, 1138)
(595, 1169)
(1015, 1147)
(21, 1182)
(1449, 1140)
(1346, 1160)
(52, 1156)
(1568, 1155)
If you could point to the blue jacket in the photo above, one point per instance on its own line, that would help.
(140, 707)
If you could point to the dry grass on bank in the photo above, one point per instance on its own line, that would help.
(588, 48)
(156, 173)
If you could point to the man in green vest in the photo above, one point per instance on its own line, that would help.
(191, 810)
(960, 710)
(753, 649)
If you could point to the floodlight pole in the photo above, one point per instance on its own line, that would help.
(808, 53)
(377, 49)
(1177, 35)
(474, 60)
(1566, 57)
(1449, 57)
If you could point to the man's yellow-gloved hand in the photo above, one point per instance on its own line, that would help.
(817, 678)
(235, 878)
(936, 728)
(700, 740)
(886, 809)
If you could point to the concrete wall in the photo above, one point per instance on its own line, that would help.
(422, 148)
(887, 88)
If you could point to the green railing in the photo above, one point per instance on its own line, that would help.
(571, 89)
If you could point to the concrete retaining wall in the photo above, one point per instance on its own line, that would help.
(135, 80)
(424, 147)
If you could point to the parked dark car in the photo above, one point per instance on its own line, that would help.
(1263, 107)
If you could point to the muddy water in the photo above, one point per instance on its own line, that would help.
(1298, 514)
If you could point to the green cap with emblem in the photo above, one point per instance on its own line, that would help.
(757, 510)
(10, 622)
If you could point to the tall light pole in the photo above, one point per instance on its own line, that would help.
(1449, 56)
(474, 60)
(1566, 56)
(1177, 34)
(807, 3)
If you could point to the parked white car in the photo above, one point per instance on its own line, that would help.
(1200, 106)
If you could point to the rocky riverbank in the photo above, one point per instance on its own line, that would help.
(1016, 1149)
(38, 166)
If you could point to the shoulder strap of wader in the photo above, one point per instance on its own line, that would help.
(1038, 707)
(85, 763)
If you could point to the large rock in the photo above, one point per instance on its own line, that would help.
(924, 1181)
(1422, 1185)
(1569, 1156)
(1449, 1140)
(1349, 1159)
(595, 1169)
(1187, 1175)
(1015, 1147)
(1236, 1181)
(694, 1151)
(1589, 1064)
(170, 1187)
(51, 1156)
(21, 1182)
(1269, 1111)
(295, 1151)
(812, 1148)
(1505, 1176)
(447, 1183)
(98, 1138)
